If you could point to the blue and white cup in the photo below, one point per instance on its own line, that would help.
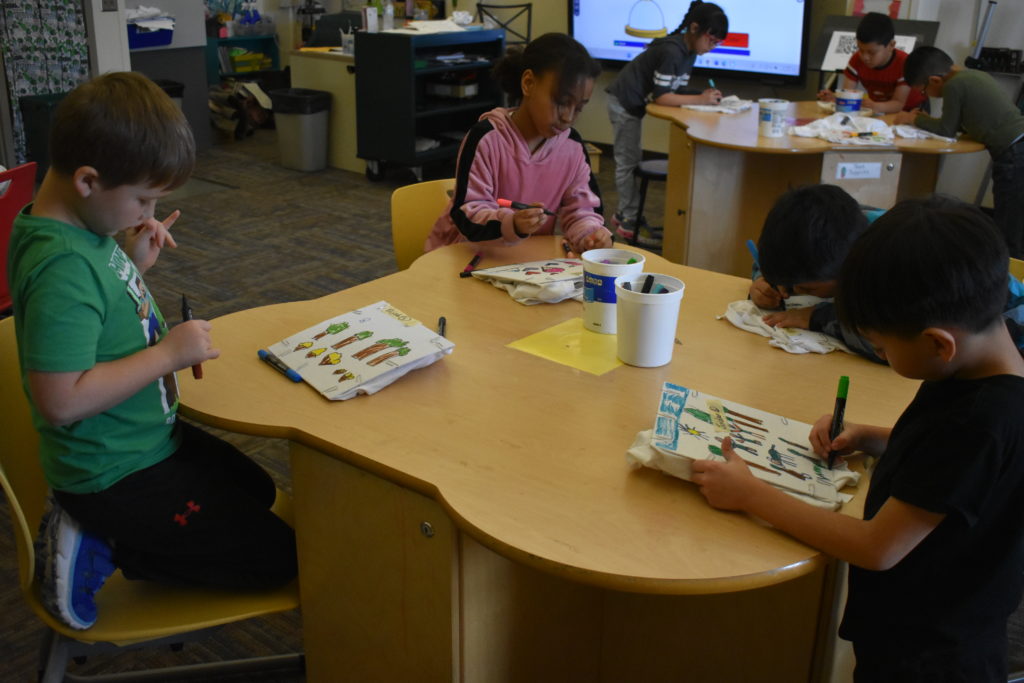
(600, 268)
(849, 101)
(771, 117)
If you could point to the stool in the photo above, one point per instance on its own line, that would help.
(646, 171)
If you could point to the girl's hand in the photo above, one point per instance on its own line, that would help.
(599, 239)
(764, 295)
(726, 485)
(189, 343)
(528, 221)
(144, 242)
(826, 96)
(712, 96)
(794, 317)
(848, 440)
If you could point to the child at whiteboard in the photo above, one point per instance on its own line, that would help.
(659, 74)
(529, 154)
(877, 65)
(935, 563)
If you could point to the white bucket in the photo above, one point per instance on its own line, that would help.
(600, 268)
(647, 322)
(772, 117)
(849, 101)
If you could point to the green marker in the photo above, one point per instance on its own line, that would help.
(837, 415)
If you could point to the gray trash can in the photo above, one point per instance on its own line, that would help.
(300, 116)
(174, 89)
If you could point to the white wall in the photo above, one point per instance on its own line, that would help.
(108, 38)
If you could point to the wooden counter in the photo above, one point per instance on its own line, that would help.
(724, 178)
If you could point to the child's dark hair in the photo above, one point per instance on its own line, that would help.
(807, 235)
(709, 17)
(127, 128)
(923, 62)
(925, 263)
(550, 52)
(877, 28)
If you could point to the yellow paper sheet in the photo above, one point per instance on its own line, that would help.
(569, 343)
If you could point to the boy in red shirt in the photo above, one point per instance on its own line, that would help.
(878, 66)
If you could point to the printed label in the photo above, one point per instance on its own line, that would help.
(598, 288)
(399, 316)
(849, 170)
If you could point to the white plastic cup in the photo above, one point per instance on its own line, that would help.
(849, 101)
(647, 322)
(772, 117)
(600, 268)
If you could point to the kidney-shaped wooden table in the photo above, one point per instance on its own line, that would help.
(477, 520)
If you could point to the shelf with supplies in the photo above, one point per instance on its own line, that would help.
(261, 56)
(421, 94)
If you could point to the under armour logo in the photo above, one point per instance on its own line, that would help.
(190, 507)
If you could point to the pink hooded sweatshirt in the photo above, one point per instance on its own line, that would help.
(494, 162)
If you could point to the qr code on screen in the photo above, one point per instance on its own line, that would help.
(847, 44)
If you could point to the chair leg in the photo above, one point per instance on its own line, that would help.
(56, 658)
(640, 212)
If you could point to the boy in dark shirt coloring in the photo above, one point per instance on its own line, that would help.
(972, 101)
(936, 563)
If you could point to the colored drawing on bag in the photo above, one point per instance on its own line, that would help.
(760, 438)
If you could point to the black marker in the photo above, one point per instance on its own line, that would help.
(648, 283)
(441, 325)
(471, 266)
(511, 204)
(186, 315)
(837, 415)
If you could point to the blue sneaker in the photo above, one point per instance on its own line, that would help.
(71, 566)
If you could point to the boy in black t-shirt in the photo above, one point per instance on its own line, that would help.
(937, 560)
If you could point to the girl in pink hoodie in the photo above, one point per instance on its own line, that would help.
(529, 154)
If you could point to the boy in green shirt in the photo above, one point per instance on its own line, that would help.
(133, 487)
(973, 102)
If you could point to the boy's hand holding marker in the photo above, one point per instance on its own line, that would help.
(189, 344)
(764, 295)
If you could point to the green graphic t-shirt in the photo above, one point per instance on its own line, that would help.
(79, 301)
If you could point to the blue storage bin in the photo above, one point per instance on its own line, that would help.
(137, 38)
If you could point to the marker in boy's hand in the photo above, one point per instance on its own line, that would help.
(764, 295)
(186, 315)
(189, 344)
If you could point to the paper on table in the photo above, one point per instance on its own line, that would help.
(569, 343)
(424, 27)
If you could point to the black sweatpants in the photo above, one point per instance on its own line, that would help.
(202, 517)
(980, 660)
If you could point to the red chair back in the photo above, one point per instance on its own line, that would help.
(16, 196)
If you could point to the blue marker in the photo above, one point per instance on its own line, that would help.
(276, 363)
(752, 248)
